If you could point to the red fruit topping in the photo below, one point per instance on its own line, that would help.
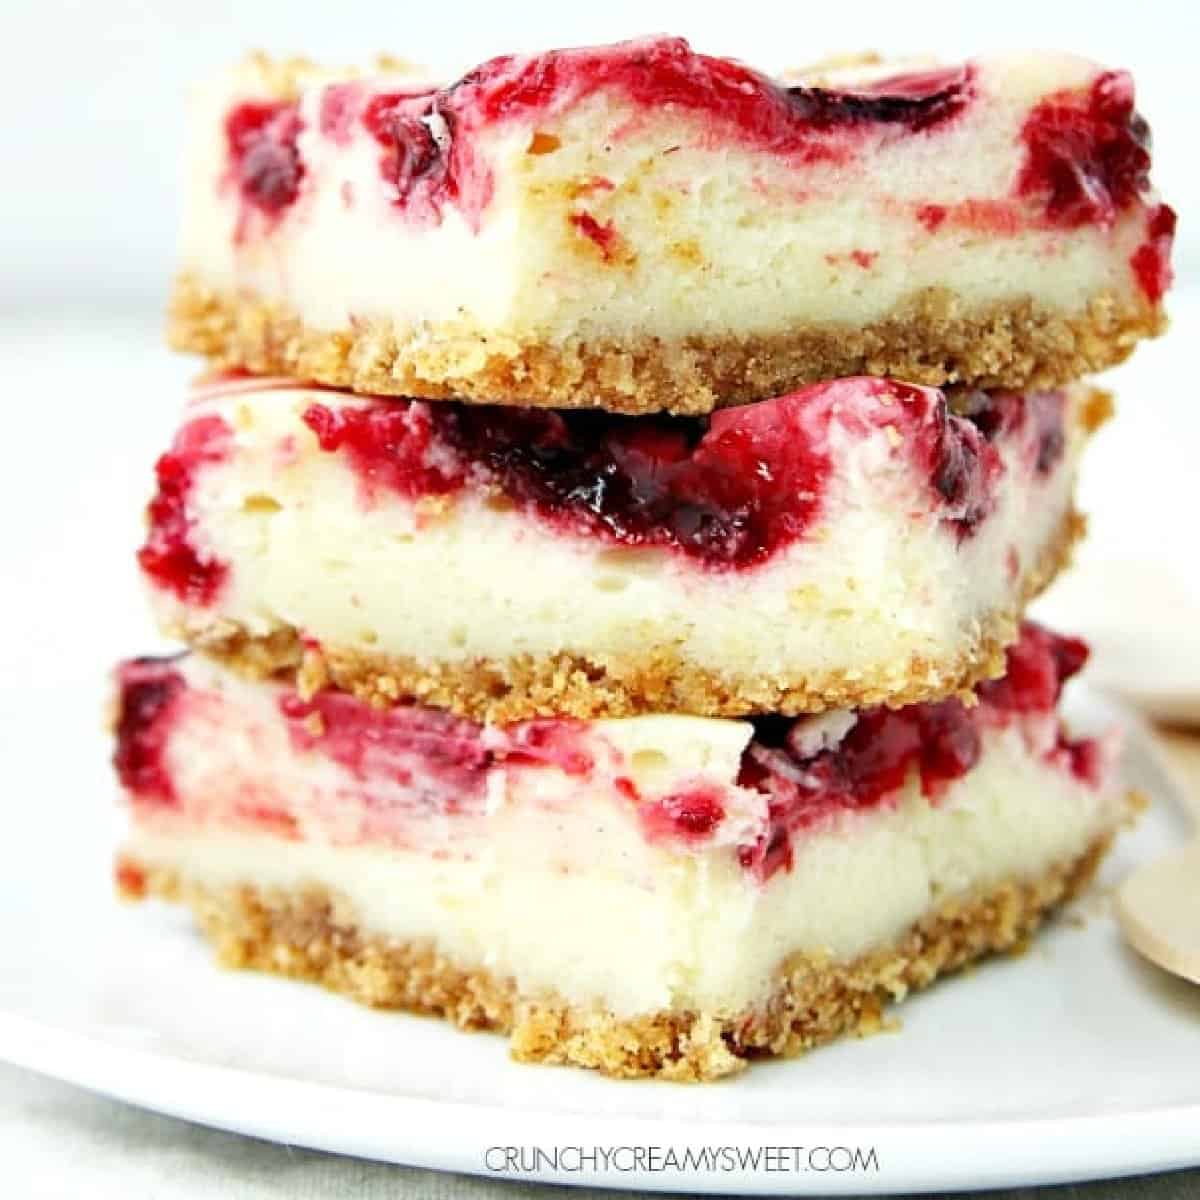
(260, 139)
(867, 768)
(427, 137)
(1086, 759)
(627, 788)
(1151, 261)
(963, 471)
(1046, 409)
(267, 818)
(1037, 667)
(932, 216)
(1087, 153)
(375, 743)
(543, 743)
(997, 414)
(388, 445)
(445, 759)
(340, 105)
(450, 755)
(421, 160)
(999, 218)
(604, 236)
(733, 99)
(147, 690)
(727, 491)
(992, 413)
(933, 89)
(963, 465)
(689, 816)
(950, 744)
(942, 742)
(872, 760)
(728, 495)
(130, 879)
(168, 556)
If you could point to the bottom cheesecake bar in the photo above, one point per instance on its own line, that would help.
(659, 895)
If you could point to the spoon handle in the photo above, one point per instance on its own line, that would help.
(1159, 910)
(1179, 757)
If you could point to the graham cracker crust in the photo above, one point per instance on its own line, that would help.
(657, 680)
(309, 935)
(934, 341)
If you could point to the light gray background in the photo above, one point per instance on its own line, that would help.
(92, 99)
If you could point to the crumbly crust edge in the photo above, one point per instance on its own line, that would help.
(590, 687)
(309, 935)
(935, 341)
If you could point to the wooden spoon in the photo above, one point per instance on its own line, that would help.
(1158, 906)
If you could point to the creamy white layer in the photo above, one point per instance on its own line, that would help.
(606, 218)
(544, 876)
(883, 577)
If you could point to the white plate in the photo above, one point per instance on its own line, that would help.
(1076, 1060)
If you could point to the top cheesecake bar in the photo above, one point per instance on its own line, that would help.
(642, 228)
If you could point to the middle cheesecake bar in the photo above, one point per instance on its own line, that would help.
(861, 541)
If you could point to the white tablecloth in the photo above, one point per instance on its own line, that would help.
(58, 1141)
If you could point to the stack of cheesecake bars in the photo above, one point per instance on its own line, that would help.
(603, 533)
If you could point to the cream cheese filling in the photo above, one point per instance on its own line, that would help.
(712, 240)
(688, 931)
(881, 581)
(551, 878)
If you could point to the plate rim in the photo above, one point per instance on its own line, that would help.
(967, 1154)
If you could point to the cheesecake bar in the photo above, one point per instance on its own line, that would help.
(785, 877)
(858, 542)
(642, 228)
